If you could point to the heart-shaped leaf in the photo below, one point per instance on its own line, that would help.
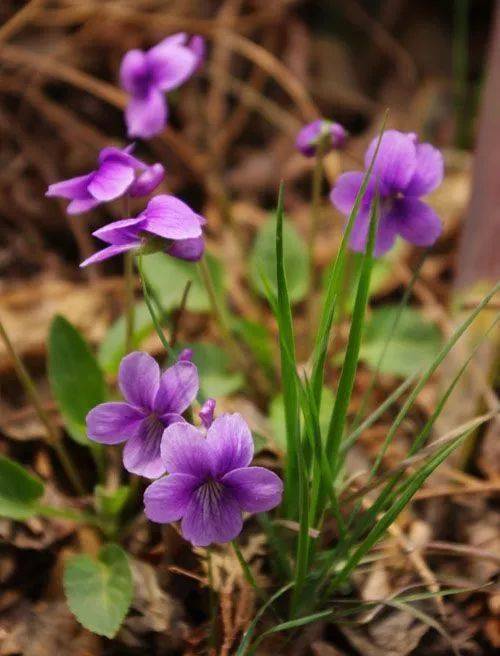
(99, 592)
(168, 277)
(263, 260)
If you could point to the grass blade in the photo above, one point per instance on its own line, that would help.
(247, 636)
(428, 373)
(350, 364)
(288, 371)
(291, 624)
(334, 284)
(402, 305)
(382, 524)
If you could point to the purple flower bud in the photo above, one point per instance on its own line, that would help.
(207, 413)
(186, 354)
(210, 483)
(147, 75)
(311, 135)
(404, 170)
(153, 401)
(166, 224)
(118, 173)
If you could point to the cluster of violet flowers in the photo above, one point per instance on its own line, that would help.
(404, 171)
(209, 482)
(166, 223)
(202, 475)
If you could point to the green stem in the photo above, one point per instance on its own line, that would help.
(247, 572)
(128, 279)
(220, 315)
(53, 437)
(129, 301)
(317, 181)
(180, 312)
(151, 309)
(316, 185)
(365, 399)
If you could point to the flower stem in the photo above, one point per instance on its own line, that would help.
(53, 437)
(147, 298)
(247, 572)
(317, 181)
(219, 314)
(316, 184)
(128, 280)
(129, 301)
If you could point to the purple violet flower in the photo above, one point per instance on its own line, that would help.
(310, 136)
(404, 170)
(166, 224)
(118, 173)
(210, 483)
(153, 401)
(147, 75)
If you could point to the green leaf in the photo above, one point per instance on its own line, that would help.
(216, 377)
(168, 277)
(19, 490)
(277, 416)
(75, 377)
(99, 592)
(296, 260)
(414, 344)
(112, 348)
(351, 359)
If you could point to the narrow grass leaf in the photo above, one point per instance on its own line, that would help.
(334, 284)
(350, 364)
(248, 635)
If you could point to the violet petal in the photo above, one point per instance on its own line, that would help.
(178, 388)
(139, 379)
(230, 442)
(256, 489)
(112, 423)
(167, 499)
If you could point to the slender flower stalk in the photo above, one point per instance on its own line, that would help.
(53, 438)
(129, 301)
(152, 313)
(245, 567)
(220, 315)
(317, 180)
(128, 287)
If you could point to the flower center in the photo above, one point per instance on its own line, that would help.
(153, 426)
(143, 81)
(209, 495)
